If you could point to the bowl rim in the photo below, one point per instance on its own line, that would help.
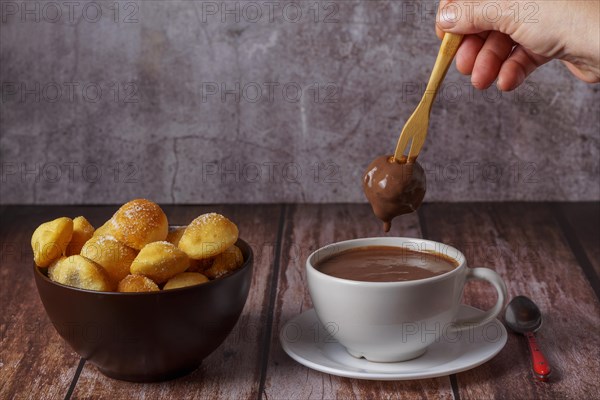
(248, 261)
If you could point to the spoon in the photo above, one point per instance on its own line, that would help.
(523, 316)
(418, 123)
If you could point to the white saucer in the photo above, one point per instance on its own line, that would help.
(306, 341)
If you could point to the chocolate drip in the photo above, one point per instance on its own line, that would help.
(393, 188)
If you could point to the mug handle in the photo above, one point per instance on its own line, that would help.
(492, 277)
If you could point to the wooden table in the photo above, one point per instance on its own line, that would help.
(549, 252)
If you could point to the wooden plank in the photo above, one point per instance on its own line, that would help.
(34, 361)
(583, 221)
(307, 228)
(233, 370)
(524, 244)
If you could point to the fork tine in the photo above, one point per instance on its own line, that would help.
(402, 144)
(416, 126)
(416, 145)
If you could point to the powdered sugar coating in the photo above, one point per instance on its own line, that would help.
(112, 255)
(102, 230)
(208, 235)
(136, 284)
(138, 223)
(160, 261)
(225, 263)
(80, 272)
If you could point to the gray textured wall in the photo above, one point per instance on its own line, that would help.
(336, 85)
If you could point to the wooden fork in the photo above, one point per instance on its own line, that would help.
(416, 126)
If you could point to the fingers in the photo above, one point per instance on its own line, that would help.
(439, 32)
(490, 58)
(468, 17)
(487, 52)
(519, 65)
(584, 73)
(467, 53)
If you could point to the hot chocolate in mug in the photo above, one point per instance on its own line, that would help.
(395, 321)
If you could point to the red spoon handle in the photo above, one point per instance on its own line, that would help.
(541, 368)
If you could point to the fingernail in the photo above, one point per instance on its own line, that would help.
(499, 83)
(447, 17)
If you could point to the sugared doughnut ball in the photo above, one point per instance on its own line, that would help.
(50, 240)
(174, 235)
(185, 279)
(226, 262)
(138, 223)
(110, 254)
(103, 230)
(137, 283)
(160, 261)
(200, 265)
(208, 235)
(82, 232)
(53, 265)
(79, 272)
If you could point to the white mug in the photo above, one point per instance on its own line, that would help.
(395, 321)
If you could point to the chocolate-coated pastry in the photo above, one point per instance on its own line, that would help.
(393, 188)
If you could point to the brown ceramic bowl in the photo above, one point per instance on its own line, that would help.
(145, 337)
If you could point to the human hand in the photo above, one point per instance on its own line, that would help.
(509, 39)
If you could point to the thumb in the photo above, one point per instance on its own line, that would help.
(468, 17)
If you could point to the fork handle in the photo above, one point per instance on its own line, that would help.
(540, 366)
(420, 117)
(448, 49)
